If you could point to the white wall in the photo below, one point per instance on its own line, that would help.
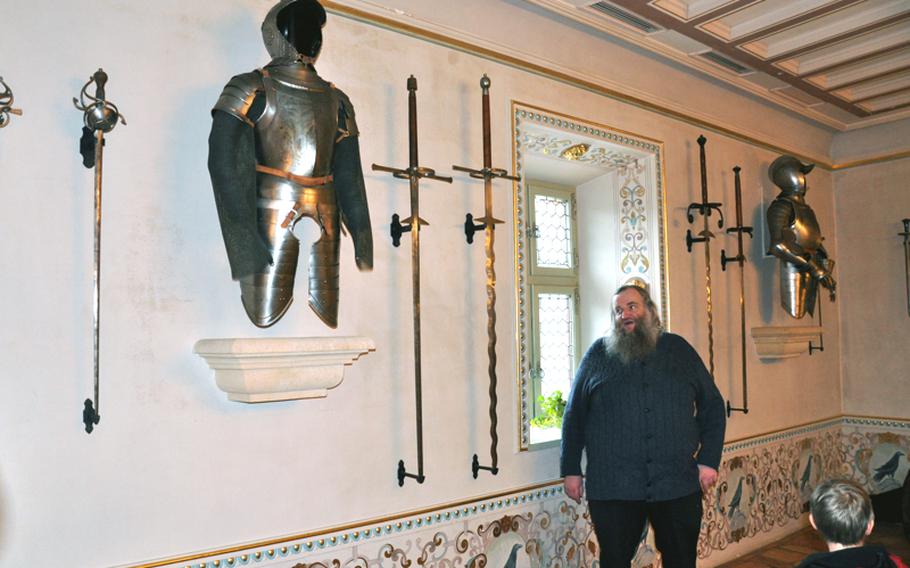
(598, 250)
(871, 201)
(173, 466)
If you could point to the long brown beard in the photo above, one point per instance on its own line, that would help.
(635, 345)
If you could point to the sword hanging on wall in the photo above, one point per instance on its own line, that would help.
(100, 116)
(740, 259)
(906, 235)
(704, 209)
(412, 224)
(488, 224)
(6, 104)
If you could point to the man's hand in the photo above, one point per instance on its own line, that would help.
(574, 486)
(707, 477)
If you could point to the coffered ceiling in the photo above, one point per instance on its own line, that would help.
(842, 62)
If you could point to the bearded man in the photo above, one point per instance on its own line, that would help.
(646, 412)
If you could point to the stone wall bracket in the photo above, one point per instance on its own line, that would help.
(784, 342)
(274, 369)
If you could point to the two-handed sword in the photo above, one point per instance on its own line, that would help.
(488, 224)
(740, 259)
(704, 209)
(101, 116)
(412, 224)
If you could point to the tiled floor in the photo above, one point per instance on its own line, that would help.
(790, 550)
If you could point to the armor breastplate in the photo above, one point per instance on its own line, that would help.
(296, 131)
(308, 165)
(804, 230)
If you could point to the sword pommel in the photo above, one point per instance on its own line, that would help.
(412, 83)
(485, 83)
(100, 79)
(906, 225)
(701, 140)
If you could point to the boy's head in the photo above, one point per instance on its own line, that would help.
(841, 511)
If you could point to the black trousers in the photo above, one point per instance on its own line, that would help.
(619, 526)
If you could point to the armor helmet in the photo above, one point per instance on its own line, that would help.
(292, 30)
(789, 174)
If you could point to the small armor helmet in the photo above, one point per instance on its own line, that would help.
(789, 174)
(292, 30)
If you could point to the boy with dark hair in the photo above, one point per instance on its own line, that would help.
(841, 512)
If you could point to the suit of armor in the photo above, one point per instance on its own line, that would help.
(796, 239)
(283, 147)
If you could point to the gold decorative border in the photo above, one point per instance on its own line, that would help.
(521, 64)
(345, 527)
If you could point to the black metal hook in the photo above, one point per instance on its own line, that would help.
(470, 227)
(90, 416)
(396, 228)
(705, 209)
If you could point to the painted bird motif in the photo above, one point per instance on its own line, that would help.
(889, 468)
(510, 563)
(807, 474)
(737, 498)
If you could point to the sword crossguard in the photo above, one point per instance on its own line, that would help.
(412, 172)
(487, 173)
(6, 104)
(705, 209)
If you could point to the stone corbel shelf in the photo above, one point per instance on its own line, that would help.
(782, 342)
(272, 369)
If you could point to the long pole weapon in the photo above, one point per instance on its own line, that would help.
(906, 235)
(6, 104)
(100, 117)
(488, 224)
(704, 209)
(740, 259)
(412, 224)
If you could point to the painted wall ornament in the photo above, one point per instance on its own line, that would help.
(797, 240)
(284, 147)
